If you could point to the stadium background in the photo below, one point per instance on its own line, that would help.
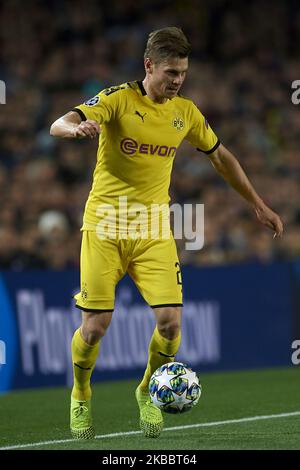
(55, 54)
(242, 288)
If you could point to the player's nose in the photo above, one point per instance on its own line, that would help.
(178, 81)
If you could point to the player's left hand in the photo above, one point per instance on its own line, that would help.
(267, 217)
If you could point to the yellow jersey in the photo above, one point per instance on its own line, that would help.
(137, 146)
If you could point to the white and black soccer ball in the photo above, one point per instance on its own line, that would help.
(174, 388)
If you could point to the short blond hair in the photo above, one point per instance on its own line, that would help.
(165, 43)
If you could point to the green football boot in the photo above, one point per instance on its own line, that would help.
(81, 423)
(151, 420)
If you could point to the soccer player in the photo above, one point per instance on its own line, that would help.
(141, 125)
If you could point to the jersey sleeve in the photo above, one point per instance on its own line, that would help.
(201, 134)
(101, 108)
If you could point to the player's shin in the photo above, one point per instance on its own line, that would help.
(161, 350)
(84, 358)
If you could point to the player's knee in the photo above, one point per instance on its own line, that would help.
(91, 334)
(94, 328)
(169, 322)
(169, 330)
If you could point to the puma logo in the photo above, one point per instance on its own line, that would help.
(140, 115)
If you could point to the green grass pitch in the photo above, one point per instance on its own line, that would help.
(33, 418)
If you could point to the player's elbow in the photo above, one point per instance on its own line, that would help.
(53, 129)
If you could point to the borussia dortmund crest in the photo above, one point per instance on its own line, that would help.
(178, 123)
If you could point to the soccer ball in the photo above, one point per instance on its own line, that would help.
(174, 388)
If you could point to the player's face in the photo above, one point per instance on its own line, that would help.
(167, 77)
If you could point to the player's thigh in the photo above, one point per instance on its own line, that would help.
(101, 268)
(155, 269)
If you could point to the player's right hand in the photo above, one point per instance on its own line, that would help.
(88, 128)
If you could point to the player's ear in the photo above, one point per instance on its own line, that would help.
(148, 65)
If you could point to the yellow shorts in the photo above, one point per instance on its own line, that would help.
(152, 264)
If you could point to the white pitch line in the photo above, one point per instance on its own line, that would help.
(174, 428)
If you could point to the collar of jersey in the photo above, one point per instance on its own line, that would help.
(144, 94)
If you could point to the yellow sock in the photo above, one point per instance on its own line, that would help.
(84, 358)
(161, 350)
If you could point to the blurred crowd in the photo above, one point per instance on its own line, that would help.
(56, 54)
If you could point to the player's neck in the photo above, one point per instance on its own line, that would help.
(152, 94)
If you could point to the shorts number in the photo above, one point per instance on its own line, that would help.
(178, 273)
